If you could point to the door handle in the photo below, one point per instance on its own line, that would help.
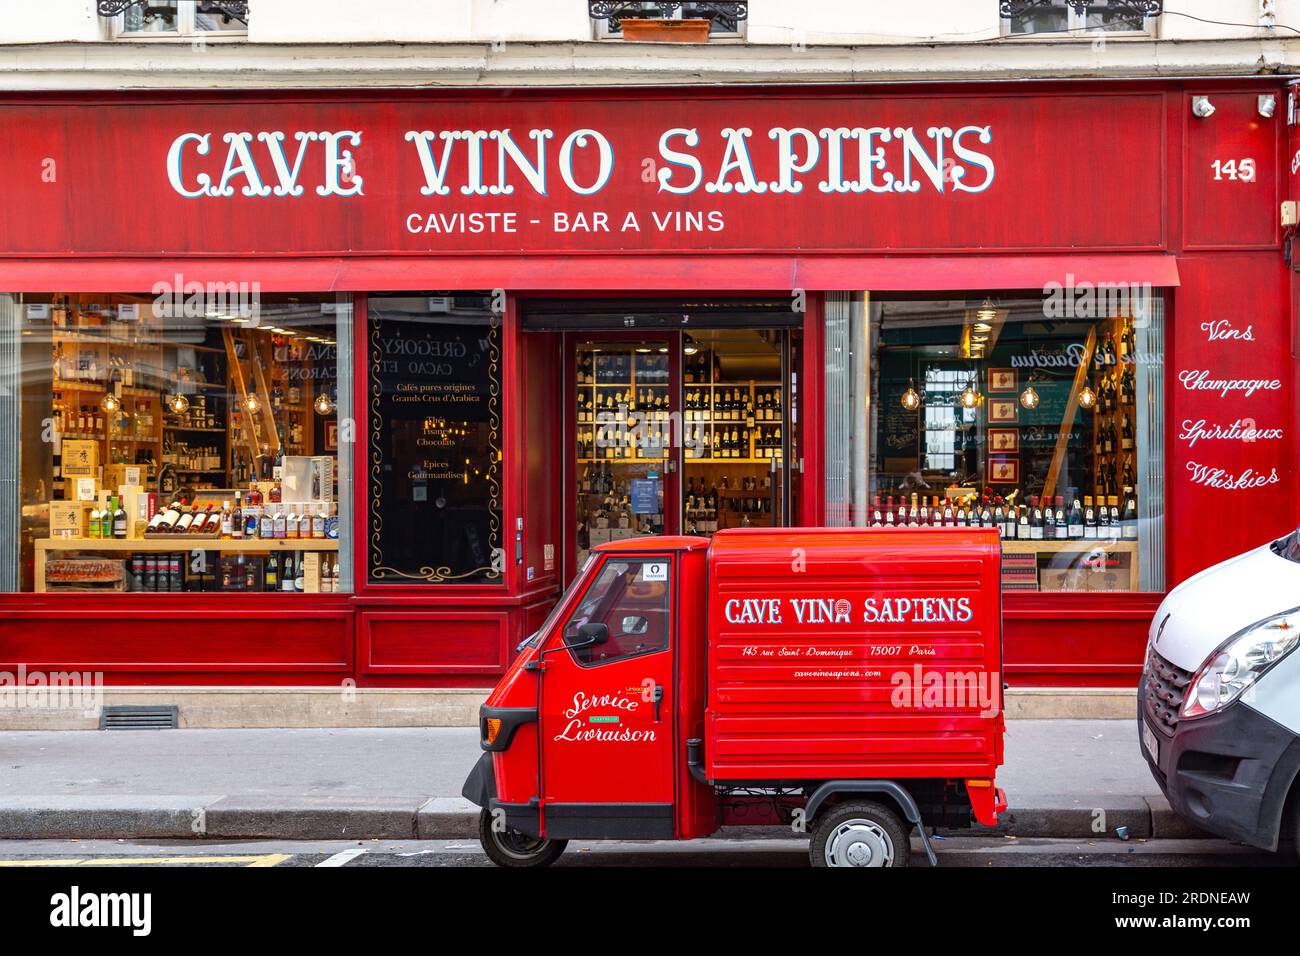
(657, 696)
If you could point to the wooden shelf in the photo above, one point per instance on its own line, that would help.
(187, 542)
(1019, 546)
(181, 542)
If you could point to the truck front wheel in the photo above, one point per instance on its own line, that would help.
(506, 846)
(859, 834)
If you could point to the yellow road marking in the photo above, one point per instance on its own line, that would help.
(267, 859)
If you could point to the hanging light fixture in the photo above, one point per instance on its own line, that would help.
(178, 404)
(324, 404)
(251, 403)
(1029, 397)
(986, 314)
(111, 403)
(969, 397)
(1087, 397)
(911, 399)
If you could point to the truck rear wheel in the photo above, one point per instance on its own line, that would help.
(510, 847)
(859, 834)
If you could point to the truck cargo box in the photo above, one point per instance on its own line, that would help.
(854, 653)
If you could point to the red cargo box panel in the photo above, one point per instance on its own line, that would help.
(854, 653)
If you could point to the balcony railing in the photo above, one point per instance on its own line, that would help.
(724, 17)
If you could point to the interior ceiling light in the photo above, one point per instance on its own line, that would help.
(987, 313)
(324, 404)
(969, 397)
(911, 399)
(179, 404)
(1029, 397)
(251, 402)
(1087, 397)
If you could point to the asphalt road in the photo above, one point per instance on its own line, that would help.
(770, 853)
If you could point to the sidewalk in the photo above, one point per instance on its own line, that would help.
(405, 783)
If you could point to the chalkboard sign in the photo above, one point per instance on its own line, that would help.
(434, 438)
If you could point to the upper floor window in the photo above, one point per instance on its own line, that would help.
(726, 19)
(1039, 17)
(177, 18)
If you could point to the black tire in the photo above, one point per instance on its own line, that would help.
(513, 848)
(882, 838)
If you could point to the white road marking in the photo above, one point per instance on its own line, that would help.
(341, 858)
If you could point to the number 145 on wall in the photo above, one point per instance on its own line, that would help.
(1237, 170)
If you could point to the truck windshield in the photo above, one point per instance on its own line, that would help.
(1288, 547)
(532, 639)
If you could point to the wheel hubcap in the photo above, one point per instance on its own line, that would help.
(519, 844)
(859, 843)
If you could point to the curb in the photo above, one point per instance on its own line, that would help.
(443, 818)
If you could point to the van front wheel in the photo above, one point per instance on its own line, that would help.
(506, 846)
(859, 834)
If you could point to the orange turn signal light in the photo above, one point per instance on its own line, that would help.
(979, 783)
(493, 729)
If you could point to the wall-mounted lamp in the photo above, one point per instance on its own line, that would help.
(1202, 108)
(1267, 104)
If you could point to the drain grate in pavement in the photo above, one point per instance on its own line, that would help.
(123, 717)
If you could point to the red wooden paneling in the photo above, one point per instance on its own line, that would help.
(1228, 494)
(169, 634)
(1038, 187)
(449, 641)
(1224, 207)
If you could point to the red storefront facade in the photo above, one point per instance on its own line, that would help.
(719, 195)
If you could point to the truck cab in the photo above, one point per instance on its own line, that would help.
(843, 682)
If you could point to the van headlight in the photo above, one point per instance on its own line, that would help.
(1243, 659)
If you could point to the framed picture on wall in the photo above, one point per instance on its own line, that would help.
(331, 436)
(1003, 411)
(1004, 441)
(1003, 380)
(1004, 471)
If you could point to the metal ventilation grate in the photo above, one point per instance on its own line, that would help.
(140, 718)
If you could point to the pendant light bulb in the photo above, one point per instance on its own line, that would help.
(911, 399)
(324, 404)
(111, 403)
(178, 404)
(1029, 397)
(251, 403)
(1087, 397)
(969, 397)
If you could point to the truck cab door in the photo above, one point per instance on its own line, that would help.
(606, 717)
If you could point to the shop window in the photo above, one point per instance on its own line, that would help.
(434, 437)
(177, 18)
(1047, 17)
(1040, 416)
(188, 442)
(726, 19)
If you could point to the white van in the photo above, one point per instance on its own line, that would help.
(1219, 702)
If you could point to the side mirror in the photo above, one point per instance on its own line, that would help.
(591, 635)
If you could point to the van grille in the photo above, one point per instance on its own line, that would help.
(1166, 686)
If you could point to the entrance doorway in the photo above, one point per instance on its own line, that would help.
(674, 432)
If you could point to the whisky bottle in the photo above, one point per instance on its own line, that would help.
(119, 521)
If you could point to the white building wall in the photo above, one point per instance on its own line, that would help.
(781, 22)
(63, 44)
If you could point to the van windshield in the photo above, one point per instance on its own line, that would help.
(1288, 547)
(532, 639)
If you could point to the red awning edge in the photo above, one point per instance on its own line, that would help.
(620, 273)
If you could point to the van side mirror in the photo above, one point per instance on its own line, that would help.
(590, 634)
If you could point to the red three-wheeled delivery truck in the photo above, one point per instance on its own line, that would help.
(843, 682)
